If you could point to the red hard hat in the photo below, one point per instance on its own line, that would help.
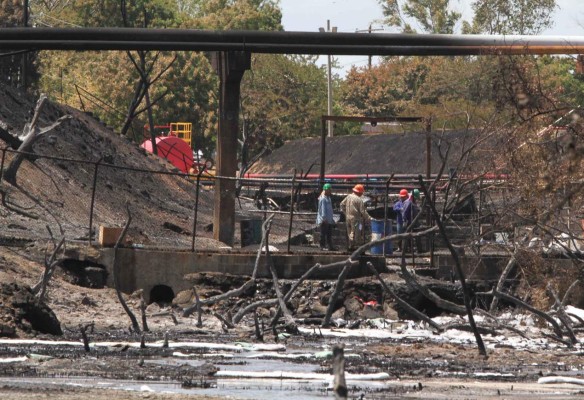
(359, 188)
(403, 192)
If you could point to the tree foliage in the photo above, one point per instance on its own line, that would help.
(190, 85)
(433, 16)
(283, 98)
(506, 17)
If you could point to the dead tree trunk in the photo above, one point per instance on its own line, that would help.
(340, 385)
(32, 134)
(465, 291)
(50, 265)
(115, 274)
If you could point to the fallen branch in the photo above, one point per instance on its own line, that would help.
(429, 294)
(290, 324)
(568, 292)
(561, 313)
(523, 304)
(253, 306)
(335, 294)
(224, 321)
(248, 284)
(404, 303)
(290, 292)
(510, 264)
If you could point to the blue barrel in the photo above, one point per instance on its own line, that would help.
(377, 233)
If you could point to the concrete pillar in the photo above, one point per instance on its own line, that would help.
(230, 66)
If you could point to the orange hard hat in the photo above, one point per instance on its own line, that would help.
(359, 188)
(403, 192)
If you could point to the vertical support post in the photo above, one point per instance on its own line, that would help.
(199, 173)
(429, 240)
(329, 85)
(291, 209)
(230, 66)
(93, 188)
(323, 120)
(428, 147)
(385, 204)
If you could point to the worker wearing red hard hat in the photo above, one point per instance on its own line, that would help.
(356, 216)
(398, 207)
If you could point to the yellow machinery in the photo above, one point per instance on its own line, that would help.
(182, 130)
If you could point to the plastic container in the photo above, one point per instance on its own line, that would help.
(251, 231)
(377, 233)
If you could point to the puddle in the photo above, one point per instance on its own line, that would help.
(272, 389)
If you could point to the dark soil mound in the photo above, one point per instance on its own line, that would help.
(20, 310)
(58, 192)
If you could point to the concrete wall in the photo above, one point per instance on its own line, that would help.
(144, 269)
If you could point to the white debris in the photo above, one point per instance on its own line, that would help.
(13, 359)
(298, 375)
(560, 379)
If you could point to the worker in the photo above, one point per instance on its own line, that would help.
(398, 207)
(410, 209)
(324, 218)
(409, 213)
(356, 216)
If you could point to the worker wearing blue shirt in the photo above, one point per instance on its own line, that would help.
(324, 218)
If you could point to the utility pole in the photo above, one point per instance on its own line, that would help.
(329, 80)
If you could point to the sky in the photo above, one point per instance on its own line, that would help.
(357, 15)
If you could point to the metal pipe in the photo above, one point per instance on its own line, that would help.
(339, 50)
(284, 42)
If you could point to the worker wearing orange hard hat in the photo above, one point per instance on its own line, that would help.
(356, 216)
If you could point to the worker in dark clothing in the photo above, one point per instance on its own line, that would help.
(324, 218)
(409, 213)
(398, 207)
(410, 209)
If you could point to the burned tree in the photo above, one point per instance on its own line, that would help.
(31, 133)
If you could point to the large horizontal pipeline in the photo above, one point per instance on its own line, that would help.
(284, 42)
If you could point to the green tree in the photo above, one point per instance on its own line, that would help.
(507, 17)
(283, 98)
(434, 16)
(190, 84)
(260, 15)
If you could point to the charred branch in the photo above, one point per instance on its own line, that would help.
(115, 269)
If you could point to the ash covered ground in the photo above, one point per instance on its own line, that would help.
(53, 197)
